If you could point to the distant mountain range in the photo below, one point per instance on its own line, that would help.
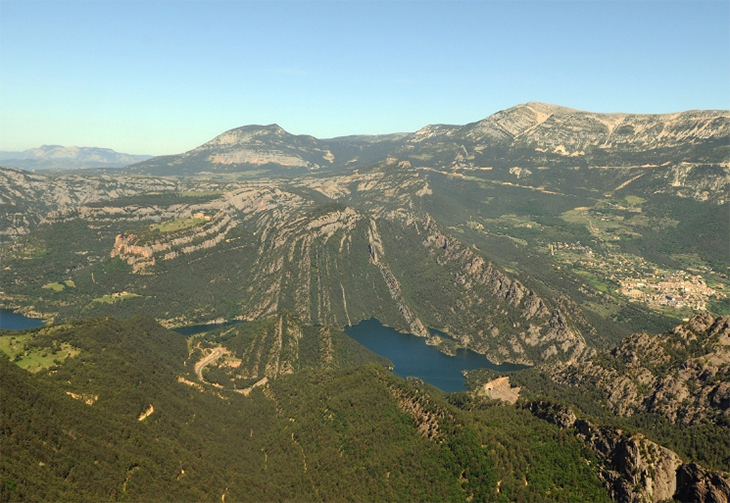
(531, 135)
(59, 157)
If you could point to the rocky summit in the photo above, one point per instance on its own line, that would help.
(683, 374)
(678, 147)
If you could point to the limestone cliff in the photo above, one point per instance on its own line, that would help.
(683, 374)
(635, 469)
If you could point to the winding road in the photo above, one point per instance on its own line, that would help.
(217, 353)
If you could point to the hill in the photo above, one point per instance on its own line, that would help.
(672, 387)
(128, 424)
(528, 136)
(138, 413)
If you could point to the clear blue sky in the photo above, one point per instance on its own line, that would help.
(163, 77)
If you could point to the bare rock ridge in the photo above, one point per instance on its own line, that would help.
(553, 128)
(140, 254)
(375, 248)
(355, 227)
(531, 133)
(684, 374)
(681, 375)
(638, 469)
(548, 327)
(292, 250)
(358, 256)
(29, 198)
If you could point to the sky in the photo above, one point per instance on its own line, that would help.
(156, 78)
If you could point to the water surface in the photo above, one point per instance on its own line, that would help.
(411, 356)
(10, 320)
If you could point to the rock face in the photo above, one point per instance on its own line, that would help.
(551, 128)
(352, 232)
(143, 253)
(697, 484)
(473, 272)
(636, 469)
(27, 198)
(371, 251)
(258, 146)
(683, 374)
(643, 470)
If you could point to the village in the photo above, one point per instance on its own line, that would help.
(675, 289)
(637, 279)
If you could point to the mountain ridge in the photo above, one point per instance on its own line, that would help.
(71, 157)
(536, 132)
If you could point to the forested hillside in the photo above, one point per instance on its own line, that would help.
(118, 420)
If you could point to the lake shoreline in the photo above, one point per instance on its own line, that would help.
(413, 357)
(11, 319)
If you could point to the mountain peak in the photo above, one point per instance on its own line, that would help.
(246, 134)
(546, 107)
(269, 128)
(535, 129)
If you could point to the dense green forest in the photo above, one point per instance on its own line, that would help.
(76, 430)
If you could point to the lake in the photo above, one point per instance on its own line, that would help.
(10, 320)
(411, 356)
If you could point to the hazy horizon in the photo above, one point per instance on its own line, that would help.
(159, 78)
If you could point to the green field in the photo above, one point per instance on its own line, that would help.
(178, 224)
(56, 287)
(112, 298)
(634, 200)
(595, 281)
(34, 359)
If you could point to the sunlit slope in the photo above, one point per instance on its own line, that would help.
(538, 233)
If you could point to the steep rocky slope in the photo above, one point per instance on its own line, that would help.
(683, 375)
(416, 239)
(271, 148)
(334, 263)
(334, 251)
(27, 198)
(635, 468)
(327, 430)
